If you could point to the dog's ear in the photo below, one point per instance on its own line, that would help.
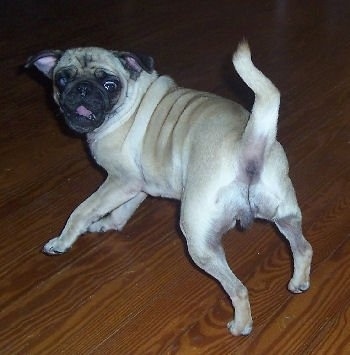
(135, 63)
(45, 61)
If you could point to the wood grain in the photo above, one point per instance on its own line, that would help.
(137, 291)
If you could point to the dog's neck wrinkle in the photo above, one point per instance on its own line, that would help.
(127, 138)
(148, 103)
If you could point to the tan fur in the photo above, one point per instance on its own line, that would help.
(163, 140)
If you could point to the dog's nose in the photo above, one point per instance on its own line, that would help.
(83, 89)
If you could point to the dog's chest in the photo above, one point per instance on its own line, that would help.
(111, 154)
(162, 181)
(156, 175)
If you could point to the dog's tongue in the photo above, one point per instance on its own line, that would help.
(83, 111)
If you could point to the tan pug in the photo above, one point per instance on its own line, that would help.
(156, 138)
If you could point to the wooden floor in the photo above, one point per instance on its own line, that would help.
(137, 292)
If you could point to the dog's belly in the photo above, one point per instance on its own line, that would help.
(163, 175)
(160, 190)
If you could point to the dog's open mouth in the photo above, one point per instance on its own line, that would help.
(82, 119)
(84, 106)
(85, 112)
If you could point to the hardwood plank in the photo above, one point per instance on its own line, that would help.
(314, 302)
(333, 337)
(269, 297)
(71, 286)
(137, 291)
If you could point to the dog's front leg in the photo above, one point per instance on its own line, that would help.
(117, 219)
(112, 194)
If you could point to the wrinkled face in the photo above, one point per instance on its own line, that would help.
(86, 90)
(90, 84)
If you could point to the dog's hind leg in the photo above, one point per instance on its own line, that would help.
(203, 235)
(277, 202)
(290, 227)
(288, 221)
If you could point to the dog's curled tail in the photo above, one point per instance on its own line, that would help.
(261, 129)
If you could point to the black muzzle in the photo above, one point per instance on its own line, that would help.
(84, 104)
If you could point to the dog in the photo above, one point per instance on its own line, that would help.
(155, 138)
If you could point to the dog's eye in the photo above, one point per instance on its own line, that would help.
(110, 85)
(61, 82)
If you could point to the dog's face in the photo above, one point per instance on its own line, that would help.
(90, 83)
(87, 86)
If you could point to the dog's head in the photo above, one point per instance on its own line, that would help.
(90, 83)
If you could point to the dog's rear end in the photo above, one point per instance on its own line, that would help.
(271, 194)
(260, 188)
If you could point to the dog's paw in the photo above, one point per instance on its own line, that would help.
(236, 329)
(295, 287)
(54, 247)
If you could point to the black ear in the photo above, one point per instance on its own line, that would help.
(135, 63)
(45, 61)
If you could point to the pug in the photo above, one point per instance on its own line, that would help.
(153, 137)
